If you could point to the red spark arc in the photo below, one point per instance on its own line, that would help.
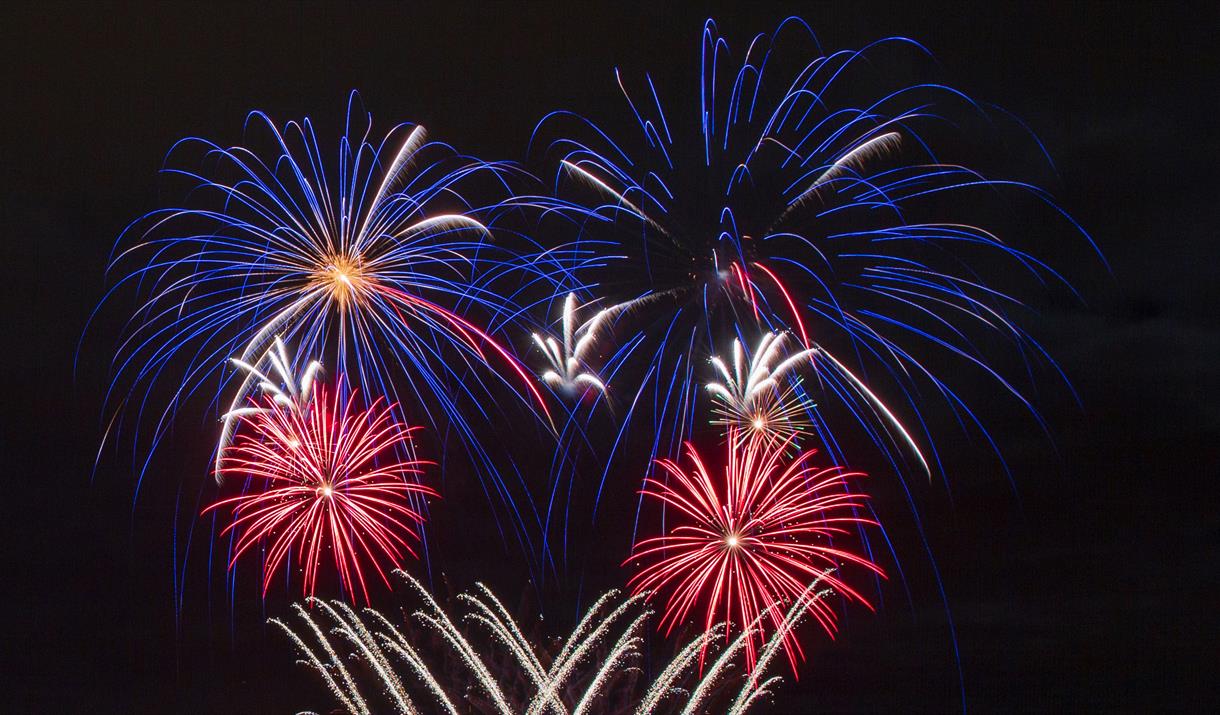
(748, 544)
(323, 475)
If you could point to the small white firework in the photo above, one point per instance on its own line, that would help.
(755, 399)
(568, 370)
(289, 391)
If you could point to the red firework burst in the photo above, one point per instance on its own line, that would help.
(324, 475)
(748, 547)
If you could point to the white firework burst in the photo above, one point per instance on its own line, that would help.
(290, 391)
(754, 398)
(568, 370)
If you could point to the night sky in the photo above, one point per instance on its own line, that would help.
(1091, 588)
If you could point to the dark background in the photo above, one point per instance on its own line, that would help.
(1094, 590)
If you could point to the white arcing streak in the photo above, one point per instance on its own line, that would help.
(604, 187)
(627, 646)
(797, 613)
(444, 221)
(665, 681)
(353, 629)
(876, 402)
(562, 668)
(402, 160)
(853, 160)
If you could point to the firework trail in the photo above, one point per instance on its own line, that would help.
(321, 476)
(799, 199)
(596, 669)
(743, 543)
(574, 373)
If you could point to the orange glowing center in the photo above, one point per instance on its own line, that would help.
(343, 276)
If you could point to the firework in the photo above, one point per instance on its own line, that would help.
(288, 392)
(322, 477)
(596, 669)
(568, 369)
(747, 542)
(753, 398)
(801, 199)
(370, 255)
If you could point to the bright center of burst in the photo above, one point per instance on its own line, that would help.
(343, 276)
(759, 424)
(731, 541)
(325, 491)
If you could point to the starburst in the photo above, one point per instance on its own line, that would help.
(322, 476)
(742, 544)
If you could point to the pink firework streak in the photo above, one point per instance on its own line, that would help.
(747, 545)
(325, 478)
